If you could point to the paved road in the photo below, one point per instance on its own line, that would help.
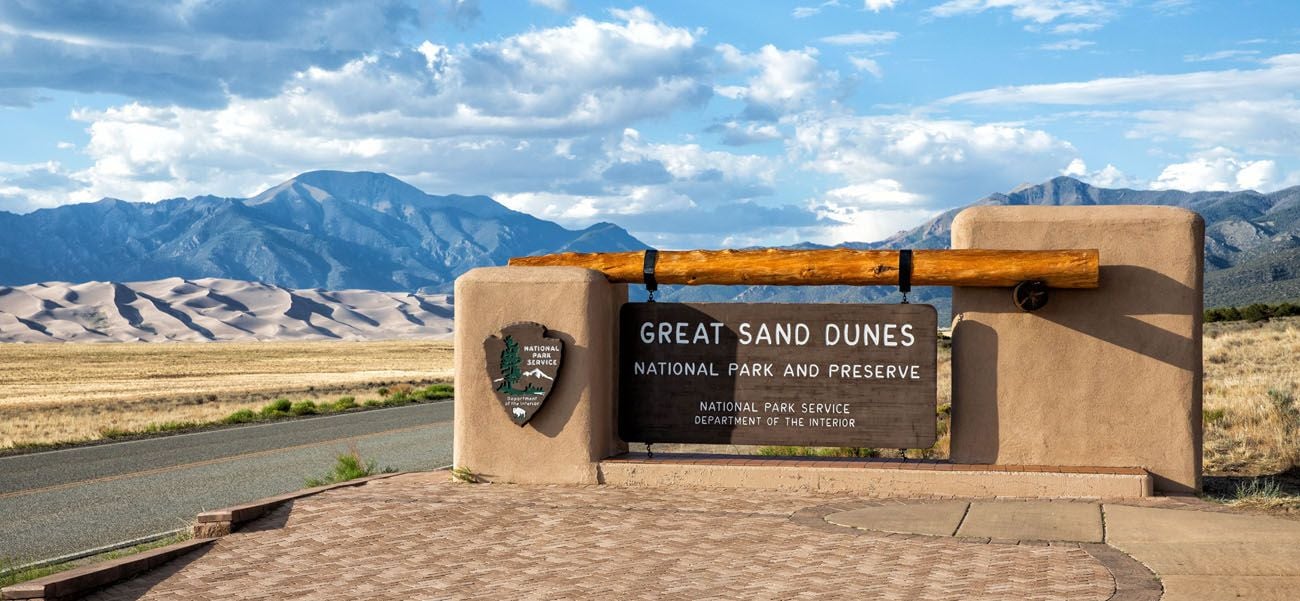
(65, 501)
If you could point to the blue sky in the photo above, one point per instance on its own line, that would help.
(693, 124)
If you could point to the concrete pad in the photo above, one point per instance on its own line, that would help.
(897, 480)
(1126, 524)
(934, 519)
(1216, 588)
(1221, 559)
(1233, 550)
(1033, 520)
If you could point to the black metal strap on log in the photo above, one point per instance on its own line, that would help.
(905, 273)
(648, 273)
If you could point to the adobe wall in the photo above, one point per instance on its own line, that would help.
(1105, 377)
(576, 426)
(1098, 378)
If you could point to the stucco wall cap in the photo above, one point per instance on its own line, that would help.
(972, 216)
(532, 275)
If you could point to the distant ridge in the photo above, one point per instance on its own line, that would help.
(323, 229)
(206, 310)
(1252, 244)
(340, 230)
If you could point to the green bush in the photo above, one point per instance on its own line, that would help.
(349, 466)
(434, 392)
(156, 428)
(1284, 403)
(345, 403)
(303, 408)
(243, 416)
(1253, 313)
(374, 403)
(276, 408)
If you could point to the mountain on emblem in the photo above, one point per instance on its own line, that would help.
(523, 364)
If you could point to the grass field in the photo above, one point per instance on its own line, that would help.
(62, 392)
(65, 392)
(1252, 385)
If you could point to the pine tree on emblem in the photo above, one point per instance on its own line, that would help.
(510, 365)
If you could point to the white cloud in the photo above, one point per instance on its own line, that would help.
(1218, 169)
(1257, 126)
(803, 12)
(1172, 7)
(1109, 176)
(1281, 74)
(559, 6)
(580, 210)
(883, 193)
(861, 38)
(899, 170)
(944, 162)
(1071, 44)
(878, 5)
(862, 63)
(429, 114)
(736, 133)
(189, 53)
(1038, 11)
(29, 186)
(1220, 56)
(786, 80)
(1075, 28)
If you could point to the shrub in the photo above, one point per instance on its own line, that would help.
(276, 408)
(345, 403)
(1284, 403)
(349, 466)
(463, 474)
(374, 403)
(242, 416)
(303, 408)
(1213, 416)
(1258, 488)
(1253, 313)
(433, 392)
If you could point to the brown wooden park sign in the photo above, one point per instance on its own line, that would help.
(797, 374)
(807, 374)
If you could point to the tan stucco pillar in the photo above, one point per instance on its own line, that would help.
(576, 426)
(1108, 377)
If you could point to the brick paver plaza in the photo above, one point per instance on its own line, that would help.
(419, 536)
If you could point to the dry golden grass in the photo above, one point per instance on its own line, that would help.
(61, 392)
(64, 392)
(1252, 397)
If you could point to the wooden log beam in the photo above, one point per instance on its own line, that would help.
(840, 266)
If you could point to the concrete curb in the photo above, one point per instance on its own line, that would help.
(220, 522)
(209, 525)
(77, 583)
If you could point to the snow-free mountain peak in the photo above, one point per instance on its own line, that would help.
(322, 229)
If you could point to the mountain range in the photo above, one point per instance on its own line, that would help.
(323, 229)
(338, 230)
(1252, 244)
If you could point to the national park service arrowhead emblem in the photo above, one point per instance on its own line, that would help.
(523, 364)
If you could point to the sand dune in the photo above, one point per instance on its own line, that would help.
(212, 309)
